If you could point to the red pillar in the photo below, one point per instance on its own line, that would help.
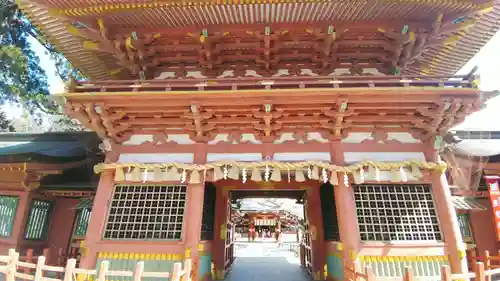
(192, 221)
(219, 242)
(449, 223)
(20, 220)
(447, 217)
(316, 230)
(348, 222)
(251, 230)
(278, 228)
(194, 214)
(97, 220)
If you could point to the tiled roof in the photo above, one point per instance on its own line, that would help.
(467, 203)
(53, 17)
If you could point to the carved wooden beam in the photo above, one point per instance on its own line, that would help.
(198, 118)
(268, 128)
(142, 53)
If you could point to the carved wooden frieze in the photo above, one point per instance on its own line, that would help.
(378, 137)
(266, 121)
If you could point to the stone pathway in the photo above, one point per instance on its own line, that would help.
(265, 262)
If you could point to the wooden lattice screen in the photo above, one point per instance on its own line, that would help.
(82, 222)
(146, 212)
(8, 206)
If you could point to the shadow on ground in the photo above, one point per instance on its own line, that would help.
(266, 269)
(265, 262)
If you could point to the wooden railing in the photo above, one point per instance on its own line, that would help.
(490, 262)
(60, 258)
(480, 274)
(247, 83)
(37, 271)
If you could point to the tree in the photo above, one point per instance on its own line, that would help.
(5, 124)
(22, 80)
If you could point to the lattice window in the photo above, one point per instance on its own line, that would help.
(8, 207)
(146, 212)
(463, 223)
(37, 226)
(396, 213)
(82, 222)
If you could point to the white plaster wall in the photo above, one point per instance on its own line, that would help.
(355, 157)
(302, 156)
(246, 157)
(187, 158)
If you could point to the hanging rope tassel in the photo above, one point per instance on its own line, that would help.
(346, 180)
(415, 172)
(183, 176)
(403, 175)
(244, 175)
(276, 175)
(395, 175)
(135, 175)
(119, 175)
(371, 172)
(218, 174)
(299, 176)
(173, 174)
(157, 174)
(358, 178)
(145, 175)
(234, 173)
(194, 177)
(164, 174)
(315, 173)
(266, 173)
(334, 178)
(256, 175)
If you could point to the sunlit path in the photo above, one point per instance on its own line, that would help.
(265, 261)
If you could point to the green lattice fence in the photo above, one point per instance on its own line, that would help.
(82, 222)
(8, 207)
(38, 221)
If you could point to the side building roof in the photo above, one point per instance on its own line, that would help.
(60, 147)
(476, 143)
(64, 161)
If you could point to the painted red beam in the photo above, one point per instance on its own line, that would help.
(272, 83)
(242, 28)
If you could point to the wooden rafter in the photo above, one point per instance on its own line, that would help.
(334, 111)
(267, 50)
(147, 17)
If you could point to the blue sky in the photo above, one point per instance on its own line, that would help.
(488, 61)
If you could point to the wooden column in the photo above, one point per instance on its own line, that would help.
(347, 219)
(97, 219)
(449, 223)
(447, 216)
(316, 230)
(192, 222)
(20, 219)
(194, 213)
(346, 210)
(219, 242)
